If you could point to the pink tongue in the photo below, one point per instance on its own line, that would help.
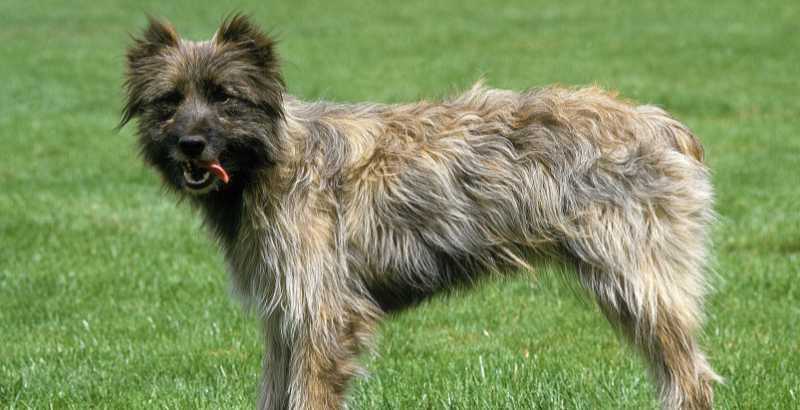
(215, 167)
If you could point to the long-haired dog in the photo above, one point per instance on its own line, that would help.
(333, 215)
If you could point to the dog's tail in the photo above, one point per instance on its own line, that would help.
(679, 135)
(685, 142)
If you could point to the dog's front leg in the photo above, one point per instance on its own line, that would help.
(308, 367)
(312, 350)
(322, 317)
(277, 357)
(323, 357)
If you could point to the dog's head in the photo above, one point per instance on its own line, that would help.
(208, 111)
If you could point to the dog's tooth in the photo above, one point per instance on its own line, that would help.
(189, 177)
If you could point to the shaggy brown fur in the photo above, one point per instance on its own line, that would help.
(337, 214)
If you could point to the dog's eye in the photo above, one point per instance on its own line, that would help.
(218, 95)
(173, 97)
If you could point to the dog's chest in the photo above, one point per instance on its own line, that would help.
(251, 264)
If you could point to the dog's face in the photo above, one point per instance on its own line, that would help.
(207, 111)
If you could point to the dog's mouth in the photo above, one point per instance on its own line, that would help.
(198, 176)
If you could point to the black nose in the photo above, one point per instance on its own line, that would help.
(192, 145)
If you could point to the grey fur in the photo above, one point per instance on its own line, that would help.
(484, 180)
(367, 208)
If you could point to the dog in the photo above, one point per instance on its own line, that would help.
(332, 216)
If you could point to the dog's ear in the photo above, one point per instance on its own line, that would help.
(238, 31)
(157, 36)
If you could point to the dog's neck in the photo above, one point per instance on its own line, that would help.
(251, 197)
(248, 198)
(222, 210)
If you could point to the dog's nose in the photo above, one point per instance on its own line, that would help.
(192, 145)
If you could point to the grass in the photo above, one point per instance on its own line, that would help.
(111, 296)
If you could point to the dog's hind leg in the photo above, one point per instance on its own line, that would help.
(646, 273)
(663, 326)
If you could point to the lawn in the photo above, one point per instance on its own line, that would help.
(112, 296)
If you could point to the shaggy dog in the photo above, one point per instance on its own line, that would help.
(332, 215)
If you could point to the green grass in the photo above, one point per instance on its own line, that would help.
(113, 296)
